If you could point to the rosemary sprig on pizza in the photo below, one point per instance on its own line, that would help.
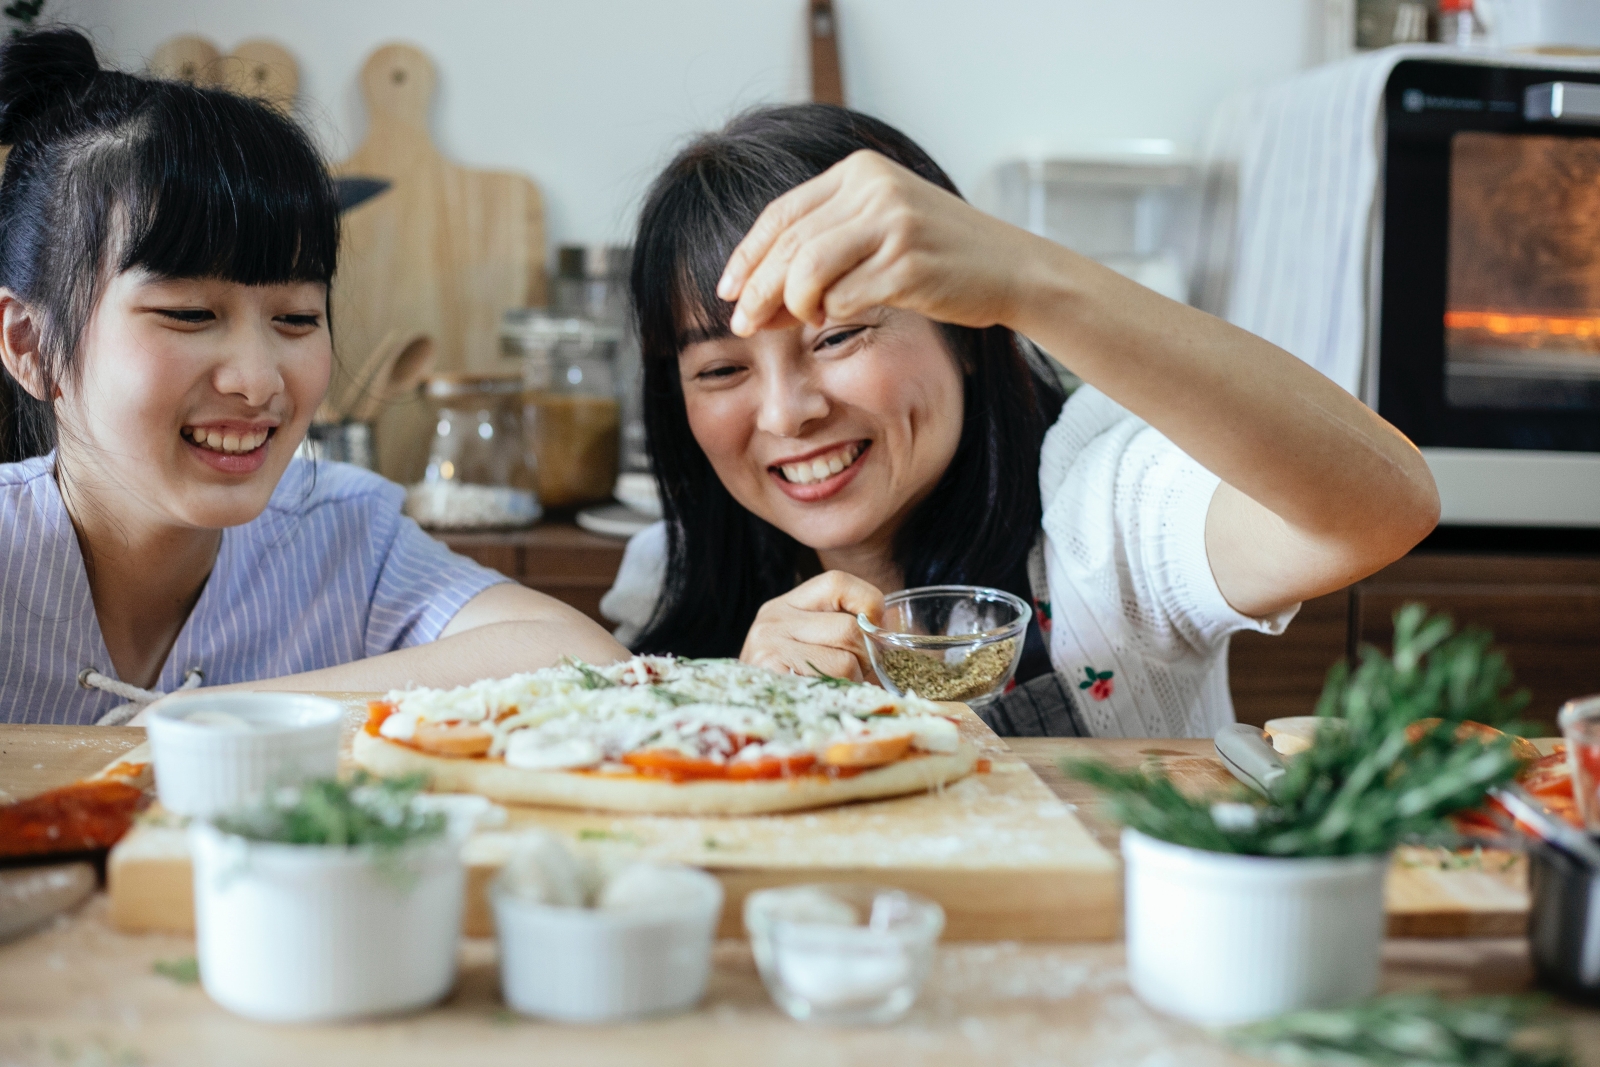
(666, 736)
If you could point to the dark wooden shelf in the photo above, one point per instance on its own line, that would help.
(1541, 602)
(557, 557)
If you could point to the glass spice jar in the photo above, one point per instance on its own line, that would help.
(570, 411)
(478, 476)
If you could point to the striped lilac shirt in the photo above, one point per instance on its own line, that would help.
(329, 573)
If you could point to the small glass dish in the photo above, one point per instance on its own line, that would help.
(843, 954)
(948, 642)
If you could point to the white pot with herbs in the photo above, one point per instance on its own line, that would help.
(329, 900)
(1241, 906)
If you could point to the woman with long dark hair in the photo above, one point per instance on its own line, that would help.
(840, 403)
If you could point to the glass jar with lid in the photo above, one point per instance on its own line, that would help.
(591, 283)
(478, 474)
(571, 416)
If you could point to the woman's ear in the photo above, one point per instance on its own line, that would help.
(19, 346)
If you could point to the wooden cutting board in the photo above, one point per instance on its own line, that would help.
(1004, 856)
(445, 252)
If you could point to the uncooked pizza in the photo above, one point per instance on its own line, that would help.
(667, 736)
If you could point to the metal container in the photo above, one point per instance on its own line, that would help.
(1564, 922)
(338, 442)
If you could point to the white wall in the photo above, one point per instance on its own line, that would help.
(589, 97)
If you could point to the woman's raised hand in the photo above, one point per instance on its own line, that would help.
(868, 233)
(812, 629)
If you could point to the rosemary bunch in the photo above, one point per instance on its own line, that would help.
(1413, 1030)
(366, 810)
(1377, 773)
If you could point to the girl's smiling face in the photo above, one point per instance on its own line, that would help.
(832, 435)
(193, 393)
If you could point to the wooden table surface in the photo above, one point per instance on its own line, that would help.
(82, 993)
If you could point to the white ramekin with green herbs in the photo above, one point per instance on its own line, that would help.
(329, 901)
(1241, 905)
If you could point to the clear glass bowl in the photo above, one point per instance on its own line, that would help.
(843, 954)
(948, 642)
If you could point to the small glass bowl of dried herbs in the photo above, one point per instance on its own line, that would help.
(948, 642)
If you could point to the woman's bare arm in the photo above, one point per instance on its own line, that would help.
(1317, 490)
(503, 630)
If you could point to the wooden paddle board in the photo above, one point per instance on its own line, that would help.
(1004, 856)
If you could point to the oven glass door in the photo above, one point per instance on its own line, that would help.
(1489, 335)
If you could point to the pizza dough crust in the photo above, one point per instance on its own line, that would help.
(655, 796)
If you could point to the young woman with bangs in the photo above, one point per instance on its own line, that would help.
(165, 258)
(844, 399)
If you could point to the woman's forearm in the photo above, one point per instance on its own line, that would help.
(491, 651)
(1324, 491)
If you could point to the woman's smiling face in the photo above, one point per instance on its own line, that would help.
(193, 393)
(832, 435)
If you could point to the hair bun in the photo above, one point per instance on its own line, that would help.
(39, 71)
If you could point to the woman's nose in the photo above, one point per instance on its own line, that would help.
(789, 401)
(249, 370)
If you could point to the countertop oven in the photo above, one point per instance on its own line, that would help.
(1487, 335)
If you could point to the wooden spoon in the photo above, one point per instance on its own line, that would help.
(399, 374)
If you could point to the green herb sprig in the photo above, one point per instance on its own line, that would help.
(824, 678)
(1414, 1030)
(366, 810)
(592, 679)
(185, 970)
(1370, 780)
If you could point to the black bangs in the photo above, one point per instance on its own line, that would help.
(712, 205)
(709, 197)
(220, 187)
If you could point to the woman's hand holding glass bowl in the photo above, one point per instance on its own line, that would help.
(813, 629)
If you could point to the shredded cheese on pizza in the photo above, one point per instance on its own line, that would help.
(715, 712)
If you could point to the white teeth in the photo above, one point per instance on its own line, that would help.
(218, 441)
(822, 468)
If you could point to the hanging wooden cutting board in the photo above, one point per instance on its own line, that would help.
(260, 68)
(446, 251)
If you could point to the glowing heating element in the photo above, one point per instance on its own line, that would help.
(1530, 330)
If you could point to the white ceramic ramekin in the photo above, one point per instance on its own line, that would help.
(592, 965)
(203, 770)
(1220, 939)
(315, 933)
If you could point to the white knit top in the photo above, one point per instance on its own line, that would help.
(1137, 626)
